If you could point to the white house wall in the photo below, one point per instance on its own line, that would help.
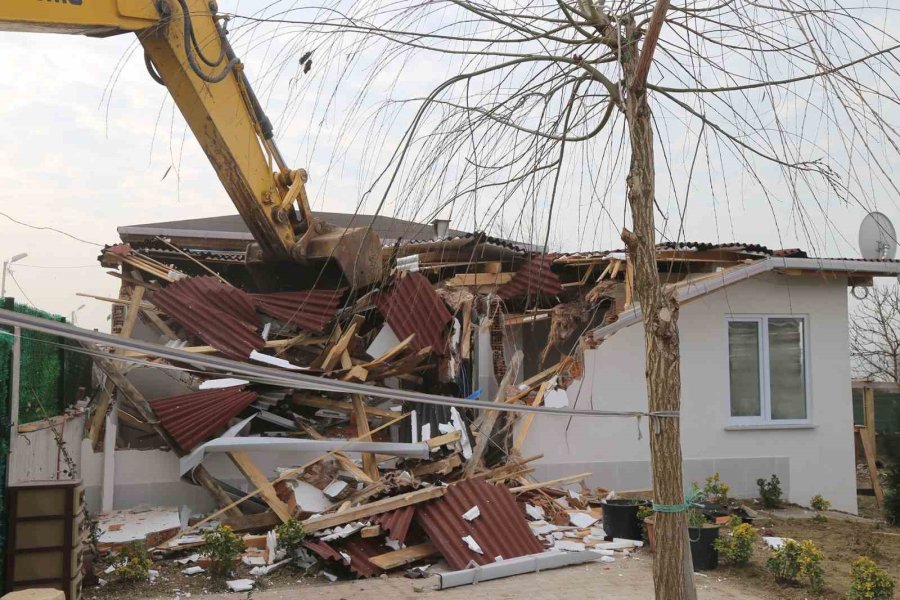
(815, 460)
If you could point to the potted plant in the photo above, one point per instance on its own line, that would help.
(703, 536)
(620, 517)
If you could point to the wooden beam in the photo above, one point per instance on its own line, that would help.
(265, 520)
(869, 418)
(476, 279)
(336, 351)
(301, 399)
(551, 483)
(443, 440)
(373, 508)
(878, 386)
(869, 453)
(259, 480)
(535, 379)
(526, 422)
(404, 556)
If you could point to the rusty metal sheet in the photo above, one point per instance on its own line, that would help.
(193, 418)
(312, 310)
(221, 315)
(397, 522)
(360, 550)
(534, 278)
(500, 530)
(411, 306)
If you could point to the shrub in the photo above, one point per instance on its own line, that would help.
(290, 536)
(869, 581)
(222, 546)
(798, 563)
(770, 491)
(817, 502)
(134, 563)
(716, 490)
(737, 548)
(696, 518)
(643, 512)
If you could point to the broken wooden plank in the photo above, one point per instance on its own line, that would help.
(532, 381)
(390, 354)
(438, 467)
(345, 461)
(258, 479)
(404, 556)
(338, 349)
(370, 531)
(373, 508)
(444, 439)
(253, 522)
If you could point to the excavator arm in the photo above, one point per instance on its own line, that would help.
(186, 50)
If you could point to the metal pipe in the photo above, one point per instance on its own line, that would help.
(508, 567)
(279, 377)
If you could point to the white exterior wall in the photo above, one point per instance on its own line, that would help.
(818, 459)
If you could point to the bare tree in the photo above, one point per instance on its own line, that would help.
(875, 335)
(543, 101)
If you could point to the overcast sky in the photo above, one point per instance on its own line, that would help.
(90, 143)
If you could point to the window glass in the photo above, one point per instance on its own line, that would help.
(787, 380)
(743, 365)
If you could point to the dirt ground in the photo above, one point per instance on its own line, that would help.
(841, 538)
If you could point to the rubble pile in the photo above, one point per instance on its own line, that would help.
(379, 483)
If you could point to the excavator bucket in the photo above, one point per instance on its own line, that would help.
(357, 251)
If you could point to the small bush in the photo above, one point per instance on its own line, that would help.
(290, 536)
(869, 581)
(134, 563)
(715, 490)
(696, 518)
(817, 502)
(798, 563)
(643, 512)
(222, 546)
(737, 548)
(770, 491)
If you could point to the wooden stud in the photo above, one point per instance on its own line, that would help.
(869, 453)
(869, 418)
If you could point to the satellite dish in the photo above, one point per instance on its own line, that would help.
(877, 237)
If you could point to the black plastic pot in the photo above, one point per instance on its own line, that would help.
(703, 549)
(620, 518)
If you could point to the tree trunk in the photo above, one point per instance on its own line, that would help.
(660, 315)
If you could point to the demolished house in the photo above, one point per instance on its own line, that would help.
(350, 439)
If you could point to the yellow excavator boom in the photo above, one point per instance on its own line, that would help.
(186, 49)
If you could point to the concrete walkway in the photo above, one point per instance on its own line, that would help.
(626, 579)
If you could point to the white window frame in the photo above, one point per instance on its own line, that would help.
(765, 419)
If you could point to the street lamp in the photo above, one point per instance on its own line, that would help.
(75, 311)
(6, 264)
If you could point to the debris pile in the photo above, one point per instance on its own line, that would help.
(379, 483)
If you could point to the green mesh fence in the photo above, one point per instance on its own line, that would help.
(50, 376)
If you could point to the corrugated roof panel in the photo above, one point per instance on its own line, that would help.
(193, 418)
(397, 522)
(221, 315)
(312, 310)
(359, 550)
(411, 306)
(500, 530)
(532, 279)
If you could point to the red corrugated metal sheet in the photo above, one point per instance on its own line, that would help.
(500, 530)
(533, 278)
(312, 310)
(193, 418)
(396, 523)
(222, 316)
(411, 306)
(359, 551)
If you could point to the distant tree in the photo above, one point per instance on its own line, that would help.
(875, 335)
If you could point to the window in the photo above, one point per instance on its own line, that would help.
(767, 368)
